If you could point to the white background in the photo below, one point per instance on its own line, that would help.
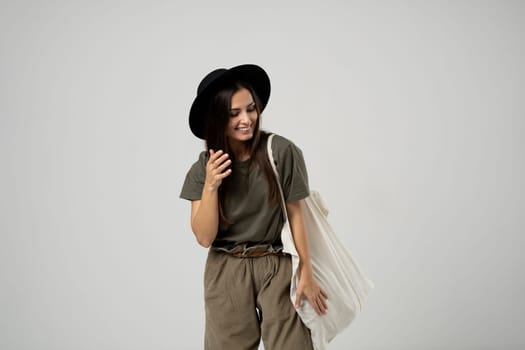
(410, 115)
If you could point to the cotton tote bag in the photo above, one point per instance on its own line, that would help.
(333, 267)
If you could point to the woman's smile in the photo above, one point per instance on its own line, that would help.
(243, 116)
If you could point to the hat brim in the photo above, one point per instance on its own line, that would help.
(249, 73)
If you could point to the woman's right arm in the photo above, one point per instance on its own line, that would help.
(205, 212)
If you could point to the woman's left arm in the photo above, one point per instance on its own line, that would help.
(308, 286)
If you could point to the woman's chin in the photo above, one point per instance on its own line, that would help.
(242, 136)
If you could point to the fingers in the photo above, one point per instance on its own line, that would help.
(323, 307)
(319, 305)
(318, 301)
(216, 168)
(222, 162)
(218, 158)
(322, 300)
(221, 171)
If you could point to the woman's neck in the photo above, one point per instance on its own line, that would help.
(240, 150)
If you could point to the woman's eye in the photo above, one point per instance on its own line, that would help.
(251, 109)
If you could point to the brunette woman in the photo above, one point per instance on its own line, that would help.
(236, 213)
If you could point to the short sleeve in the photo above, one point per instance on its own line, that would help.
(194, 181)
(292, 169)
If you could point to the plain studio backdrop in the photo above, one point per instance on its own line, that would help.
(410, 115)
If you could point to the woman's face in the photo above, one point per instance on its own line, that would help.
(243, 116)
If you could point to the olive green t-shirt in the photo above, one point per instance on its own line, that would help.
(252, 220)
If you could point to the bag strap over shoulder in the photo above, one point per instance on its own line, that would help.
(272, 162)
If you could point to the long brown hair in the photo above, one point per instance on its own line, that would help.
(218, 116)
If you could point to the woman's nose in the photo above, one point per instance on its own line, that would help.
(244, 116)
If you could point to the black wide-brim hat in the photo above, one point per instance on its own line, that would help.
(252, 74)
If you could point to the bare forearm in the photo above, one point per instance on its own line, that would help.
(205, 222)
(295, 215)
(308, 286)
(205, 212)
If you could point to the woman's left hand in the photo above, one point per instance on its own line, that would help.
(315, 295)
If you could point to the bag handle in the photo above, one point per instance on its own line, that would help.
(272, 162)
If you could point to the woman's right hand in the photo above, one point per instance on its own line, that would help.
(216, 169)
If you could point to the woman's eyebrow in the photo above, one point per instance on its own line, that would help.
(238, 109)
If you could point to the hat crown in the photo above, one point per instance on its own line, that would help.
(210, 78)
(252, 74)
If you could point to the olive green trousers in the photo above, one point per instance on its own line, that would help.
(248, 299)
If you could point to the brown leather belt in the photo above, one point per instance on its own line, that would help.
(256, 254)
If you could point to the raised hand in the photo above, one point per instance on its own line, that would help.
(216, 169)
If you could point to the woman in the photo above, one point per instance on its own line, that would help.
(236, 211)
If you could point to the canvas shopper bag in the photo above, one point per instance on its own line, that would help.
(334, 269)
